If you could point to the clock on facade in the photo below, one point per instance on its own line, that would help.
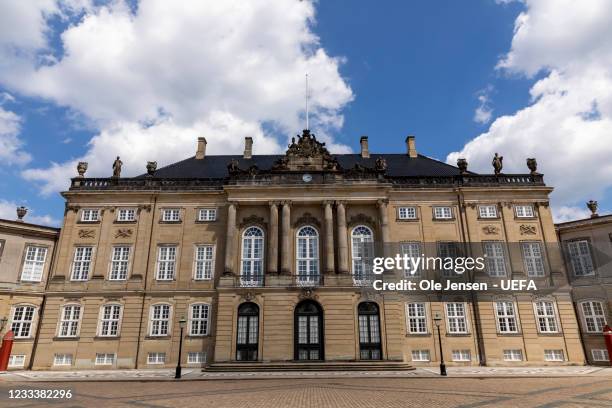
(307, 178)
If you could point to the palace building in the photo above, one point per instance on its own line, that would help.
(265, 260)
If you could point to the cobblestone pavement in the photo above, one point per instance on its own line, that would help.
(565, 392)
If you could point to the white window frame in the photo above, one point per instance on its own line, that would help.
(201, 357)
(554, 355)
(487, 211)
(166, 262)
(17, 360)
(580, 257)
(506, 317)
(106, 325)
(593, 322)
(422, 355)
(120, 262)
(365, 242)
(62, 360)
(545, 321)
(524, 211)
(171, 215)
(69, 325)
(495, 258)
(251, 265)
(90, 215)
(534, 263)
(82, 263)
(203, 261)
(511, 354)
(33, 263)
(407, 213)
(600, 355)
(416, 312)
(103, 359)
(126, 215)
(153, 357)
(160, 324)
(23, 325)
(207, 214)
(414, 250)
(463, 355)
(307, 261)
(197, 323)
(443, 212)
(454, 319)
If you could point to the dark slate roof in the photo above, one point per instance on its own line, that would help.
(215, 167)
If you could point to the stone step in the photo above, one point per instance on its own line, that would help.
(310, 366)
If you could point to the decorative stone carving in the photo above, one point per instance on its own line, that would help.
(532, 165)
(117, 164)
(490, 229)
(307, 146)
(151, 168)
(544, 204)
(463, 166)
(82, 168)
(247, 295)
(123, 233)
(307, 219)
(146, 207)
(360, 219)
(281, 164)
(308, 293)
(527, 229)
(21, 212)
(498, 163)
(472, 205)
(250, 220)
(381, 164)
(232, 166)
(592, 206)
(87, 233)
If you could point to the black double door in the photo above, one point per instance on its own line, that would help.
(308, 331)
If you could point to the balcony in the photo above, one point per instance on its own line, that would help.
(308, 280)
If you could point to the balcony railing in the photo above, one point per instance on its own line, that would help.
(308, 280)
(251, 281)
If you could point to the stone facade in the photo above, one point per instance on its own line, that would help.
(260, 256)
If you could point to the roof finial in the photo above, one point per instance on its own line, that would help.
(307, 102)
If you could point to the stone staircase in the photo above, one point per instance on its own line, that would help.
(310, 366)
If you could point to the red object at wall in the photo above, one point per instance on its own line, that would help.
(5, 351)
(608, 337)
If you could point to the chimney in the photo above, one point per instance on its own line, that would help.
(248, 147)
(201, 152)
(365, 152)
(411, 147)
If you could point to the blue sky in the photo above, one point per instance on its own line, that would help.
(84, 80)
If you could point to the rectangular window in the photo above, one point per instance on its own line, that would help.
(532, 258)
(420, 355)
(105, 358)
(90, 215)
(506, 317)
(160, 320)
(22, 321)
(119, 263)
(443, 213)
(196, 357)
(462, 355)
(594, 316)
(34, 264)
(495, 258)
(166, 259)
(448, 250)
(207, 214)
(487, 211)
(524, 211)
(513, 355)
(600, 355)
(580, 257)
(417, 318)
(204, 262)
(81, 264)
(156, 358)
(171, 215)
(553, 355)
(407, 213)
(109, 321)
(456, 318)
(545, 313)
(411, 250)
(62, 360)
(126, 215)
(198, 321)
(69, 321)
(17, 360)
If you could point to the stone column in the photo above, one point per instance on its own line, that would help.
(273, 239)
(285, 239)
(229, 239)
(329, 237)
(384, 225)
(342, 237)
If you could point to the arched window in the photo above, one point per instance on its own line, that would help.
(362, 250)
(247, 341)
(369, 331)
(251, 272)
(307, 256)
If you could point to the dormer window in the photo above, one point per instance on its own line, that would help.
(90, 215)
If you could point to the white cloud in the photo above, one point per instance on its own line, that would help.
(564, 213)
(8, 211)
(10, 125)
(182, 67)
(568, 124)
(484, 112)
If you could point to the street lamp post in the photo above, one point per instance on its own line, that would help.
(437, 320)
(178, 364)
